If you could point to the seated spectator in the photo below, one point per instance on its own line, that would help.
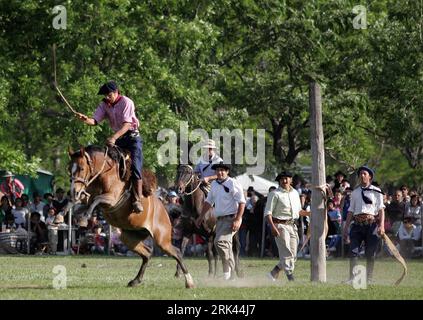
(99, 240)
(5, 208)
(37, 205)
(25, 201)
(48, 198)
(39, 231)
(20, 213)
(11, 187)
(51, 216)
(414, 210)
(9, 221)
(407, 235)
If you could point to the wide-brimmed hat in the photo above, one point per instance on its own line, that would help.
(221, 164)
(8, 174)
(108, 87)
(366, 168)
(210, 144)
(283, 174)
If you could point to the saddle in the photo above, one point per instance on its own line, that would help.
(123, 160)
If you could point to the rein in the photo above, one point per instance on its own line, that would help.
(189, 181)
(90, 162)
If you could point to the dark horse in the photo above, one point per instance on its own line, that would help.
(95, 174)
(188, 184)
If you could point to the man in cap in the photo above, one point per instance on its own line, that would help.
(283, 206)
(204, 165)
(227, 196)
(11, 187)
(367, 214)
(120, 112)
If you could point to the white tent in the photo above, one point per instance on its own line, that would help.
(260, 184)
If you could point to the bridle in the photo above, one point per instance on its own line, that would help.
(85, 181)
(191, 178)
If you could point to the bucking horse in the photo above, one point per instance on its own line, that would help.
(97, 180)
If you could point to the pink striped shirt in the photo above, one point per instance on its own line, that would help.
(120, 112)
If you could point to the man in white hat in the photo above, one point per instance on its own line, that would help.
(12, 187)
(204, 165)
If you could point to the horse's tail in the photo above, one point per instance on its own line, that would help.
(149, 183)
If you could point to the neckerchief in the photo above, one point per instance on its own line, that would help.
(210, 162)
(366, 199)
(224, 187)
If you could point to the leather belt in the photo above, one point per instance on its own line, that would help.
(279, 221)
(227, 216)
(364, 219)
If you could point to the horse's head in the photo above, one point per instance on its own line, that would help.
(184, 177)
(82, 172)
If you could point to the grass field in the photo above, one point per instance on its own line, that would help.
(24, 277)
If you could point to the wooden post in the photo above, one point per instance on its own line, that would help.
(318, 211)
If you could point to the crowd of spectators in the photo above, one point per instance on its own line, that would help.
(44, 215)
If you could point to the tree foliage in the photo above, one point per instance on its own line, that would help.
(215, 64)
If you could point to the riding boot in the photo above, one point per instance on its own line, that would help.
(369, 269)
(137, 204)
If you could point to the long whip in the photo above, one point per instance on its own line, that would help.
(55, 81)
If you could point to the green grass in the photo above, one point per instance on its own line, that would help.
(23, 277)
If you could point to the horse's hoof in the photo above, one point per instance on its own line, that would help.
(189, 285)
(189, 282)
(133, 283)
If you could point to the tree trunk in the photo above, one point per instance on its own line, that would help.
(318, 211)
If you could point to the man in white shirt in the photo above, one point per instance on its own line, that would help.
(282, 208)
(367, 214)
(227, 196)
(204, 165)
(37, 205)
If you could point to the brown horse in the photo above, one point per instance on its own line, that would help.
(188, 184)
(95, 174)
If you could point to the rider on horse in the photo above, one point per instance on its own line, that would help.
(120, 111)
(204, 166)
